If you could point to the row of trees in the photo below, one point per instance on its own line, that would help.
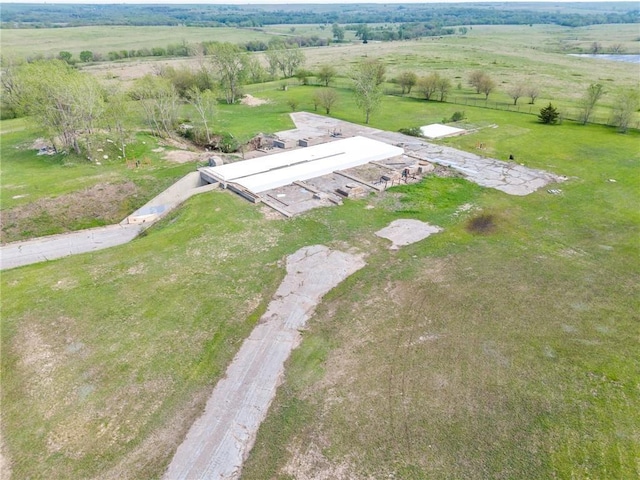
(72, 106)
(185, 49)
(434, 85)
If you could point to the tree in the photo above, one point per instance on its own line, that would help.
(204, 103)
(363, 32)
(516, 91)
(475, 79)
(443, 86)
(67, 103)
(548, 114)
(159, 102)
(617, 48)
(626, 104)
(86, 56)
(326, 98)
(230, 63)
(326, 74)
(367, 87)
(66, 57)
(255, 71)
(487, 85)
(482, 82)
(283, 57)
(338, 32)
(292, 58)
(378, 70)
(533, 92)
(429, 85)
(118, 109)
(589, 100)
(302, 74)
(596, 48)
(407, 80)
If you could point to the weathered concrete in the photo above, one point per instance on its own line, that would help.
(508, 177)
(406, 231)
(17, 254)
(42, 249)
(219, 441)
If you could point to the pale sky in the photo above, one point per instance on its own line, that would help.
(294, 2)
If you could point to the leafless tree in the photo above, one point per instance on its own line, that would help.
(326, 98)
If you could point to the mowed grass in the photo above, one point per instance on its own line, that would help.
(510, 354)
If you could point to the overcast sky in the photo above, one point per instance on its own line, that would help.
(271, 2)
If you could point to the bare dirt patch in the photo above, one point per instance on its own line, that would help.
(252, 101)
(308, 463)
(183, 156)
(103, 203)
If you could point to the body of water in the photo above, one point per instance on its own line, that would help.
(610, 57)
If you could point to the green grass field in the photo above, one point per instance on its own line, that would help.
(505, 354)
(102, 39)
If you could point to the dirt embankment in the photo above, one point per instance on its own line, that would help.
(101, 204)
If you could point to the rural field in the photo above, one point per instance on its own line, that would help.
(504, 346)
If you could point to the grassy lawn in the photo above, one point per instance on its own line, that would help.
(505, 355)
(44, 194)
(509, 353)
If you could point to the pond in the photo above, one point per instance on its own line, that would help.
(610, 57)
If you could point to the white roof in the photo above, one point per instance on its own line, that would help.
(437, 130)
(277, 170)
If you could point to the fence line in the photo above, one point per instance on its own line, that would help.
(528, 109)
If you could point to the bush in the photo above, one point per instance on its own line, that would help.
(413, 131)
(458, 116)
(549, 114)
(226, 143)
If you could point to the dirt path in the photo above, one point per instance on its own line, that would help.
(219, 441)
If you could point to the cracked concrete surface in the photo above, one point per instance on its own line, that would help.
(219, 441)
(405, 231)
(508, 177)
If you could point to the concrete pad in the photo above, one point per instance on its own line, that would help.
(437, 130)
(406, 231)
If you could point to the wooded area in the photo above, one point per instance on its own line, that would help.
(437, 15)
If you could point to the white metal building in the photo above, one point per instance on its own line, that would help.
(273, 171)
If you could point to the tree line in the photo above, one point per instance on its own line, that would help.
(442, 15)
(74, 108)
(182, 49)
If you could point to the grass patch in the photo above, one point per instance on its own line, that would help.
(48, 194)
(502, 355)
(462, 356)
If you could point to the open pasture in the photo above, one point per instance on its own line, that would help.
(104, 39)
(503, 347)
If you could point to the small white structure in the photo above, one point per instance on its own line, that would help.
(273, 171)
(437, 130)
